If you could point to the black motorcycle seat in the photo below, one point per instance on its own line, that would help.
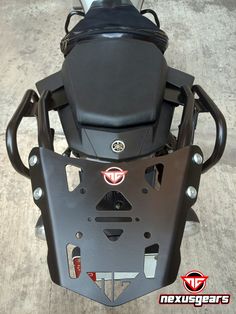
(114, 17)
(115, 82)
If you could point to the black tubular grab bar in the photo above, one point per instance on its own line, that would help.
(72, 13)
(208, 105)
(145, 11)
(31, 105)
(45, 136)
(186, 129)
(25, 108)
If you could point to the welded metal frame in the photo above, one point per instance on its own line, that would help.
(33, 106)
(162, 213)
(155, 217)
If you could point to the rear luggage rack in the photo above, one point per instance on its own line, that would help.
(156, 218)
(114, 228)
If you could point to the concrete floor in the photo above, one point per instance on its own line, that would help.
(202, 42)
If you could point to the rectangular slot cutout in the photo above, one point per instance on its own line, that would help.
(113, 219)
(74, 261)
(150, 260)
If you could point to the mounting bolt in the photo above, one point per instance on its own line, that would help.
(118, 205)
(191, 192)
(198, 159)
(38, 193)
(33, 160)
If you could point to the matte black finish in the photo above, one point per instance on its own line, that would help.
(179, 78)
(45, 137)
(186, 128)
(72, 13)
(93, 142)
(115, 91)
(207, 105)
(175, 78)
(153, 14)
(66, 213)
(25, 109)
(141, 140)
(112, 18)
(51, 83)
(121, 88)
(96, 142)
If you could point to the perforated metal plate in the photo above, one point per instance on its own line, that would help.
(156, 217)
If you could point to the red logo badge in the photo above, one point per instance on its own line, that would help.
(114, 175)
(194, 281)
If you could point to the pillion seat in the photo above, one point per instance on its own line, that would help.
(115, 82)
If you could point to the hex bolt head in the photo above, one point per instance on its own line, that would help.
(38, 193)
(33, 160)
(191, 192)
(198, 159)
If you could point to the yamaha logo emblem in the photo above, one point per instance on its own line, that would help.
(194, 281)
(114, 175)
(118, 146)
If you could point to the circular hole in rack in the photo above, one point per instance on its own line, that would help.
(82, 190)
(79, 235)
(147, 235)
(144, 190)
(137, 219)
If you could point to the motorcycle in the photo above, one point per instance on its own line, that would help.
(115, 235)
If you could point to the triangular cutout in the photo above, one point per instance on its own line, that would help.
(104, 282)
(121, 282)
(119, 287)
(113, 234)
(114, 200)
(113, 284)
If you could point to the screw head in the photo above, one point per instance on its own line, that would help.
(33, 160)
(118, 205)
(79, 235)
(38, 193)
(198, 159)
(191, 192)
